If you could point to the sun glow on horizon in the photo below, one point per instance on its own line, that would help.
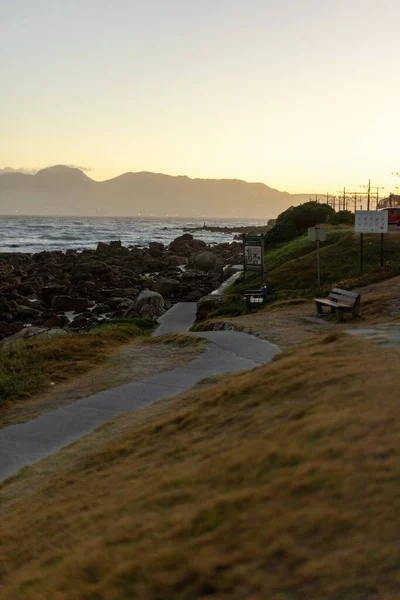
(263, 91)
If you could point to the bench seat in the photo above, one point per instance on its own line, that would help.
(340, 301)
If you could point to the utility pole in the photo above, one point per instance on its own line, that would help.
(377, 195)
(368, 188)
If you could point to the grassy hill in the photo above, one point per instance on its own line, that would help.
(279, 483)
(291, 268)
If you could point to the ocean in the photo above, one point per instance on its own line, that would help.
(35, 234)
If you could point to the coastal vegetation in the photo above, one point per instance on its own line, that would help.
(28, 367)
(290, 268)
(275, 483)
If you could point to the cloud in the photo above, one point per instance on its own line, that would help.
(34, 171)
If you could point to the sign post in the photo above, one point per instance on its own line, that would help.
(317, 234)
(370, 221)
(253, 254)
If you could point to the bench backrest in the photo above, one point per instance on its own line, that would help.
(339, 295)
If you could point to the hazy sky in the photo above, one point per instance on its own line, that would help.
(303, 95)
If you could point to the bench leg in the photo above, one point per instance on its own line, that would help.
(339, 314)
(319, 308)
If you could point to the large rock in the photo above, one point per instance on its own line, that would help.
(206, 305)
(66, 303)
(156, 249)
(153, 299)
(48, 292)
(205, 261)
(166, 286)
(181, 243)
(34, 332)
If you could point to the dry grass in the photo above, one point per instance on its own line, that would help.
(177, 339)
(280, 483)
(29, 367)
(127, 363)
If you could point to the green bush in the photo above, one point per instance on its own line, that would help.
(295, 221)
(342, 217)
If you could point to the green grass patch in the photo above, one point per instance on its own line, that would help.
(291, 269)
(28, 367)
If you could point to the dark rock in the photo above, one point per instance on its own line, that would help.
(156, 249)
(116, 244)
(55, 321)
(5, 307)
(48, 292)
(165, 286)
(27, 314)
(205, 261)
(103, 248)
(102, 309)
(66, 303)
(206, 305)
(80, 322)
(6, 317)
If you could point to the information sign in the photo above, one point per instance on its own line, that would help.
(371, 221)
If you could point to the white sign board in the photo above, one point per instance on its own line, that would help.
(316, 234)
(253, 255)
(371, 221)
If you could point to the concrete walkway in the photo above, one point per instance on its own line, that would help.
(227, 352)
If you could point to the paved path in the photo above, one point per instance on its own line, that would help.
(386, 335)
(228, 351)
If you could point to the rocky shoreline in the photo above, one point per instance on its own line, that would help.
(75, 290)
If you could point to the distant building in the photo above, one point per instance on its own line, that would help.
(392, 200)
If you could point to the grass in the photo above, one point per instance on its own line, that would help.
(291, 269)
(177, 339)
(278, 483)
(29, 367)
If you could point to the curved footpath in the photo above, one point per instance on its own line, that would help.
(228, 351)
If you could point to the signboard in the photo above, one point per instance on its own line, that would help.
(253, 253)
(317, 234)
(371, 221)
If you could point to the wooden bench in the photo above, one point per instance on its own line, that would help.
(340, 301)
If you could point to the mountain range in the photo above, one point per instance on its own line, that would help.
(68, 191)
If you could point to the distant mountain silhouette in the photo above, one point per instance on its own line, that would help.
(66, 191)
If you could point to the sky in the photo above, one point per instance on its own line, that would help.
(303, 95)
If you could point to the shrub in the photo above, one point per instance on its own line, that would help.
(295, 221)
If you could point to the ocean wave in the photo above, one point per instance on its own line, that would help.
(34, 234)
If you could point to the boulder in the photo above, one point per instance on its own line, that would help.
(54, 321)
(156, 249)
(27, 314)
(102, 309)
(103, 248)
(154, 299)
(48, 292)
(5, 307)
(66, 303)
(80, 322)
(34, 332)
(165, 286)
(205, 261)
(206, 305)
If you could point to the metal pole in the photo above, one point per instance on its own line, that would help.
(361, 253)
(344, 199)
(262, 258)
(244, 257)
(381, 249)
(369, 193)
(318, 262)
